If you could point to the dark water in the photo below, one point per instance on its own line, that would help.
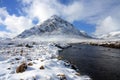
(100, 63)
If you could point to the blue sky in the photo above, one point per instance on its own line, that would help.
(95, 17)
(11, 6)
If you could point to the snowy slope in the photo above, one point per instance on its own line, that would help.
(111, 35)
(54, 26)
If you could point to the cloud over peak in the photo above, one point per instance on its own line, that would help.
(43, 9)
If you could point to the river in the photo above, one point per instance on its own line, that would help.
(100, 63)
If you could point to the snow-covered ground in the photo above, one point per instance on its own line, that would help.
(41, 59)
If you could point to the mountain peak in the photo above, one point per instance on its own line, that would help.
(54, 26)
(54, 18)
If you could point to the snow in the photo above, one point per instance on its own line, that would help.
(40, 54)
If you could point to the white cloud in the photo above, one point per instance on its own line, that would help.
(107, 25)
(73, 12)
(3, 12)
(108, 20)
(15, 25)
(43, 9)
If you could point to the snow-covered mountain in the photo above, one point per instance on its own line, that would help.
(54, 26)
(1, 38)
(85, 34)
(111, 35)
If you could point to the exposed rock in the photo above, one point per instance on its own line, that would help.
(42, 67)
(21, 68)
(78, 74)
(8, 68)
(30, 64)
(28, 46)
(62, 76)
(17, 59)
